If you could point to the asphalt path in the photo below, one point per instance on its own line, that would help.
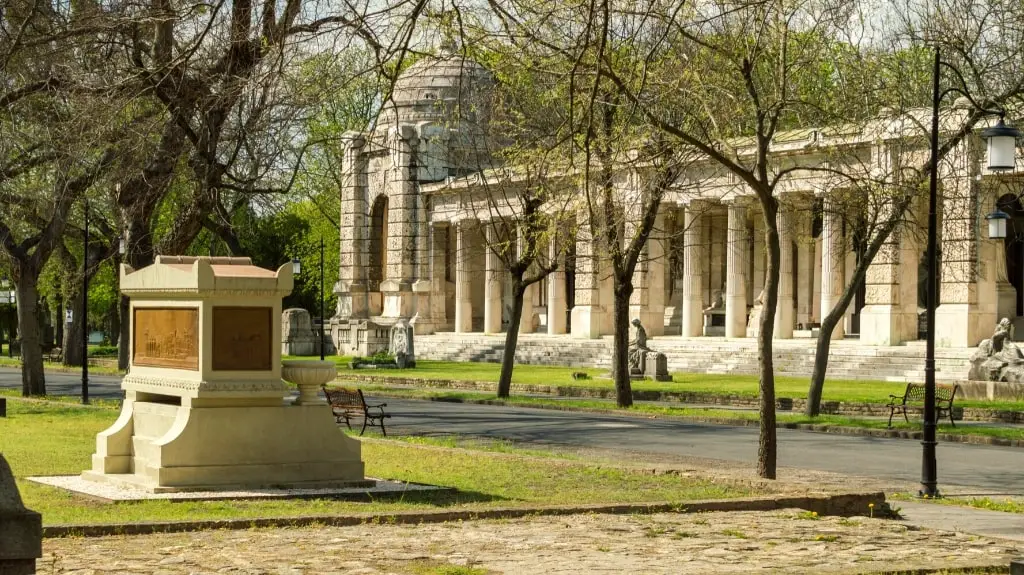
(988, 467)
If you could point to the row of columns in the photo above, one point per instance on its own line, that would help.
(493, 280)
(743, 277)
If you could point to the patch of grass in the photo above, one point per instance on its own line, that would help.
(50, 438)
(693, 413)
(435, 568)
(1007, 505)
(735, 533)
(827, 538)
(97, 366)
(809, 515)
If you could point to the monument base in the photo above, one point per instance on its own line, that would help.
(162, 447)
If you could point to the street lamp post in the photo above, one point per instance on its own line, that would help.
(85, 309)
(1001, 157)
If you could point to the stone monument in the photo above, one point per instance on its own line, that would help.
(998, 358)
(297, 336)
(714, 316)
(204, 402)
(402, 346)
(644, 362)
(21, 530)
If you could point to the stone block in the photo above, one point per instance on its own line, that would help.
(21, 530)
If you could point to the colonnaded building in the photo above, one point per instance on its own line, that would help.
(414, 215)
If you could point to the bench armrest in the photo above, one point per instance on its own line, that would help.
(375, 405)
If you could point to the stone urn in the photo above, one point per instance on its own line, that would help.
(308, 375)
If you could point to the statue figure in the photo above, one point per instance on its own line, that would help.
(717, 302)
(998, 358)
(637, 348)
(402, 344)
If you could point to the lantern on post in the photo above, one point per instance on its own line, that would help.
(1002, 146)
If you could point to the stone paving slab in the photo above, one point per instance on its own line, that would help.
(785, 541)
(118, 493)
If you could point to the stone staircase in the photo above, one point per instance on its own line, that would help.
(848, 359)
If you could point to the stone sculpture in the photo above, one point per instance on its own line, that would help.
(717, 303)
(402, 346)
(998, 358)
(21, 530)
(644, 361)
(297, 335)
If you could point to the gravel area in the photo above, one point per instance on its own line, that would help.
(789, 541)
(117, 493)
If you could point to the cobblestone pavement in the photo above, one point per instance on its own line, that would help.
(787, 541)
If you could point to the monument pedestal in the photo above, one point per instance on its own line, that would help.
(204, 402)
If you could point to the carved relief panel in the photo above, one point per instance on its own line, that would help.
(242, 338)
(166, 337)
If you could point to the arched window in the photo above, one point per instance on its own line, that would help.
(378, 243)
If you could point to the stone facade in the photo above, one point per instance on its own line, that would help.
(418, 212)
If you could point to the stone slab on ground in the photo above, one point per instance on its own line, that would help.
(786, 541)
(117, 493)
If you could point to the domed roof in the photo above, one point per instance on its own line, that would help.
(447, 86)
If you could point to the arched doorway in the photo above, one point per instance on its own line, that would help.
(1014, 244)
(378, 243)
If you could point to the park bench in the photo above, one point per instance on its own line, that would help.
(914, 393)
(55, 355)
(347, 403)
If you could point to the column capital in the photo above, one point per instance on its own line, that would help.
(739, 201)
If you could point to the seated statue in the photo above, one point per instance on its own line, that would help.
(717, 303)
(637, 348)
(998, 358)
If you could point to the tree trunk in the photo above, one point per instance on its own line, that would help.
(114, 325)
(767, 448)
(33, 381)
(508, 358)
(73, 334)
(58, 324)
(123, 340)
(620, 344)
(813, 408)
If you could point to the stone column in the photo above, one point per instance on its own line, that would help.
(693, 276)
(492, 282)
(463, 286)
(647, 303)
(438, 274)
(784, 312)
(353, 300)
(736, 271)
(833, 260)
(526, 320)
(556, 293)
(588, 313)
(21, 530)
(405, 214)
(804, 280)
(968, 293)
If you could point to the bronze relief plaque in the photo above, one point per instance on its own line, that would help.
(166, 337)
(242, 338)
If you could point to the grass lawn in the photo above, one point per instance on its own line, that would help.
(44, 438)
(856, 391)
(693, 413)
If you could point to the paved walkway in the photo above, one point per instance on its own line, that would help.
(782, 542)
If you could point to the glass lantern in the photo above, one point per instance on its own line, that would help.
(1002, 146)
(296, 266)
(997, 224)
